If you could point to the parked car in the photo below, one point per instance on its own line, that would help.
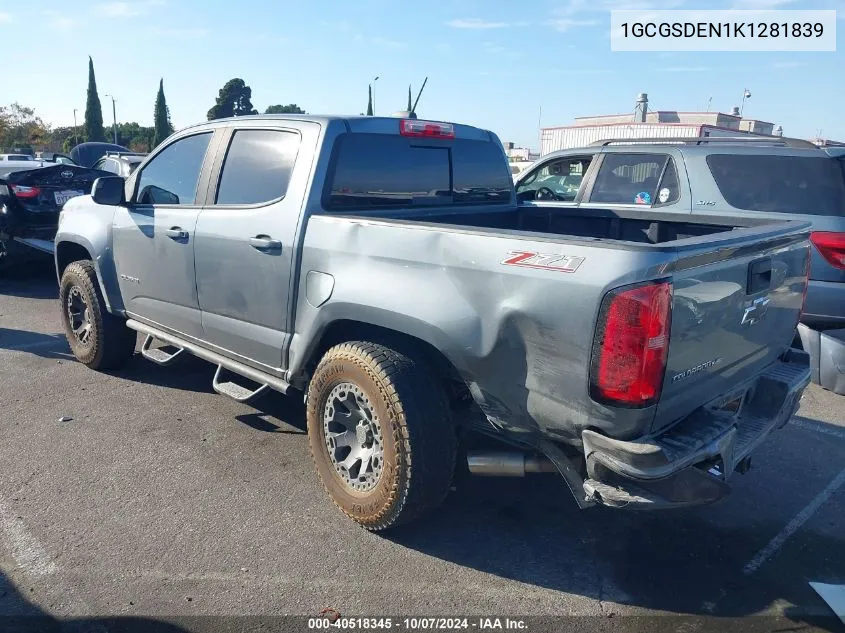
(86, 154)
(54, 157)
(384, 267)
(734, 178)
(32, 193)
(120, 163)
(15, 157)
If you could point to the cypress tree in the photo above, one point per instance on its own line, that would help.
(161, 117)
(410, 105)
(93, 110)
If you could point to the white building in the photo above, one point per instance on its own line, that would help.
(519, 154)
(657, 124)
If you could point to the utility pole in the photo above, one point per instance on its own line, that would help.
(75, 129)
(114, 115)
(746, 94)
(540, 127)
(374, 95)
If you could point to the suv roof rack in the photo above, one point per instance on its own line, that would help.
(697, 140)
(119, 154)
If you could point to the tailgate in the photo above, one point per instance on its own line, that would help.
(732, 315)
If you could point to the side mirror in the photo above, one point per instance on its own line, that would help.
(156, 195)
(109, 190)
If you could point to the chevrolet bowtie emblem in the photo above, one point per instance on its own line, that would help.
(756, 311)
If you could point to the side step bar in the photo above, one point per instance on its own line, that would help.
(256, 375)
(233, 389)
(157, 355)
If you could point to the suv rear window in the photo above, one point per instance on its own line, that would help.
(380, 171)
(785, 184)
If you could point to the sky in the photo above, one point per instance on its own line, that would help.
(489, 63)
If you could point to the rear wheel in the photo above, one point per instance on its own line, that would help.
(97, 338)
(381, 434)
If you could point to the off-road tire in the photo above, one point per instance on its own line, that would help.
(417, 433)
(110, 343)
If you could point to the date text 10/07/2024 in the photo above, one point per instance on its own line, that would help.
(418, 624)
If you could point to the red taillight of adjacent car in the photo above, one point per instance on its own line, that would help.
(831, 246)
(26, 192)
(631, 345)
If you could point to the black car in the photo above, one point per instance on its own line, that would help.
(86, 154)
(32, 194)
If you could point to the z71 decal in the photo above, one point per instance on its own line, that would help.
(560, 263)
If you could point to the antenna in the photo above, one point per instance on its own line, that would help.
(419, 94)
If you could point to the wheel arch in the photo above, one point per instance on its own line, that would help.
(76, 248)
(343, 330)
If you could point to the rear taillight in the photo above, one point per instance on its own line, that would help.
(414, 127)
(631, 345)
(831, 246)
(26, 192)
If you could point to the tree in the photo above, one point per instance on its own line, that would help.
(63, 139)
(410, 105)
(234, 99)
(136, 137)
(161, 117)
(21, 128)
(291, 108)
(370, 101)
(93, 110)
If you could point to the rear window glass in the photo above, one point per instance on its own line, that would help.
(379, 171)
(785, 184)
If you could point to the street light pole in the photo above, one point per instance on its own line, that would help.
(745, 95)
(374, 95)
(75, 129)
(114, 115)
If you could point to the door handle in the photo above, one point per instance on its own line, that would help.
(263, 242)
(176, 233)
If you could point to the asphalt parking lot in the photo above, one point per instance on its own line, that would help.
(144, 494)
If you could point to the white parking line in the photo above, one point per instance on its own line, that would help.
(815, 427)
(28, 553)
(793, 526)
(33, 561)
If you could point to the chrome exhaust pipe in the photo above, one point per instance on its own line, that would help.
(507, 464)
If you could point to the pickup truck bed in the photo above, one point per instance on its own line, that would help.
(641, 227)
(641, 355)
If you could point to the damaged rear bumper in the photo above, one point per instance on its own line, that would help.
(690, 463)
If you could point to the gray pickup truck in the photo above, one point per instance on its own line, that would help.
(384, 267)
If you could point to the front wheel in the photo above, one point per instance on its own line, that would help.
(381, 434)
(97, 338)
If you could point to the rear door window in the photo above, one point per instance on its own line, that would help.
(786, 184)
(372, 171)
(629, 178)
(257, 167)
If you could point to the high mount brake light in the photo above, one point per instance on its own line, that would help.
(831, 246)
(429, 129)
(631, 345)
